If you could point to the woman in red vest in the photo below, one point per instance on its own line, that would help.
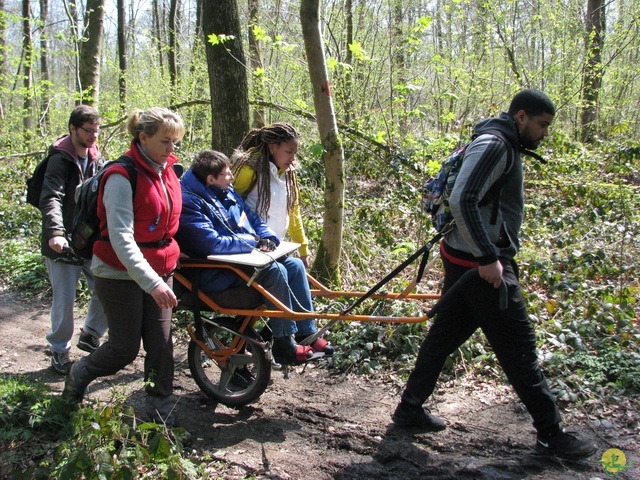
(133, 262)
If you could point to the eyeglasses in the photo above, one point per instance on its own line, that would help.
(90, 132)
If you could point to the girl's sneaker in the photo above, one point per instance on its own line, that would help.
(287, 352)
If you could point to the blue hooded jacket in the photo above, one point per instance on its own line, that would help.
(217, 222)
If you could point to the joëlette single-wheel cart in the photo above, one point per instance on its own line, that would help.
(229, 360)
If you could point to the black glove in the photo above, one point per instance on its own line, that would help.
(266, 245)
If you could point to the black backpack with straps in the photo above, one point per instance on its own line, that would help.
(35, 181)
(86, 224)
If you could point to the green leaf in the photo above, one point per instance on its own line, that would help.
(219, 39)
(260, 34)
(358, 51)
(317, 149)
(425, 21)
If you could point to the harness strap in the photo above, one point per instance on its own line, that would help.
(424, 250)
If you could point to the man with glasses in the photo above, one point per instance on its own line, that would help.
(75, 158)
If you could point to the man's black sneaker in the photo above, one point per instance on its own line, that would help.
(417, 417)
(565, 445)
(88, 342)
(60, 362)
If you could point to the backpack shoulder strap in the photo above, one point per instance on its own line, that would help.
(129, 165)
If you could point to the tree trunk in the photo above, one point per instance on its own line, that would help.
(27, 79)
(72, 13)
(327, 262)
(227, 75)
(346, 76)
(44, 62)
(173, 48)
(398, 67)
(593, 68)
(3, 58)
(256, 66)
(122, 57)
(157, 34)
(199, 18)
(90, 52)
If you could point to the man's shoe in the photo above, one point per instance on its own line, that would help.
(565, 445)
(76, 384)
(417, 417)
(61, 362)
(88, 342)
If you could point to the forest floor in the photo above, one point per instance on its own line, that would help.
(325, 426)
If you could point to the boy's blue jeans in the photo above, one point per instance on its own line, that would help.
(285, 279)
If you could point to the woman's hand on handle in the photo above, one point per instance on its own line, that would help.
(164, 296)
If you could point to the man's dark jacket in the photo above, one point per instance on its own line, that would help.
(57, 200)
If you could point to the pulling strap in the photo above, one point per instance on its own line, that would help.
(424, 250)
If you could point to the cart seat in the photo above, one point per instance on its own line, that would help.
(235, 297)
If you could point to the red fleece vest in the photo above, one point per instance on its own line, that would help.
(153, 221)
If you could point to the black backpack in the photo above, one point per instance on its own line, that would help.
(85, 229)
(35, 181)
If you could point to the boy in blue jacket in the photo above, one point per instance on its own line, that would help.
(216, 221)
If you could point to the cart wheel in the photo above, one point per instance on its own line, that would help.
(244, 377)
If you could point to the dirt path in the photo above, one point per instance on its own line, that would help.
(315, 425)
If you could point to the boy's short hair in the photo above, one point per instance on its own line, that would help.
(533, 102)
(84, 114)
(209, 162)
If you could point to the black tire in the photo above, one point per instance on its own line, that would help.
(224, 384)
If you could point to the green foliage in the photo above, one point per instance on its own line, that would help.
(368, 347)
(22, 265)
(26, 411)
(584, 375)
(42, 437)
(17, 217)
(219, 39)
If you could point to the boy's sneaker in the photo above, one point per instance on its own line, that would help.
(417, 417)
(565, 445)
(61, 362)
(88, 342)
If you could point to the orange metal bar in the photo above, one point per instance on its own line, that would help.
(282, 311)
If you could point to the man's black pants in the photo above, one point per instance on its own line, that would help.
(509, 333)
